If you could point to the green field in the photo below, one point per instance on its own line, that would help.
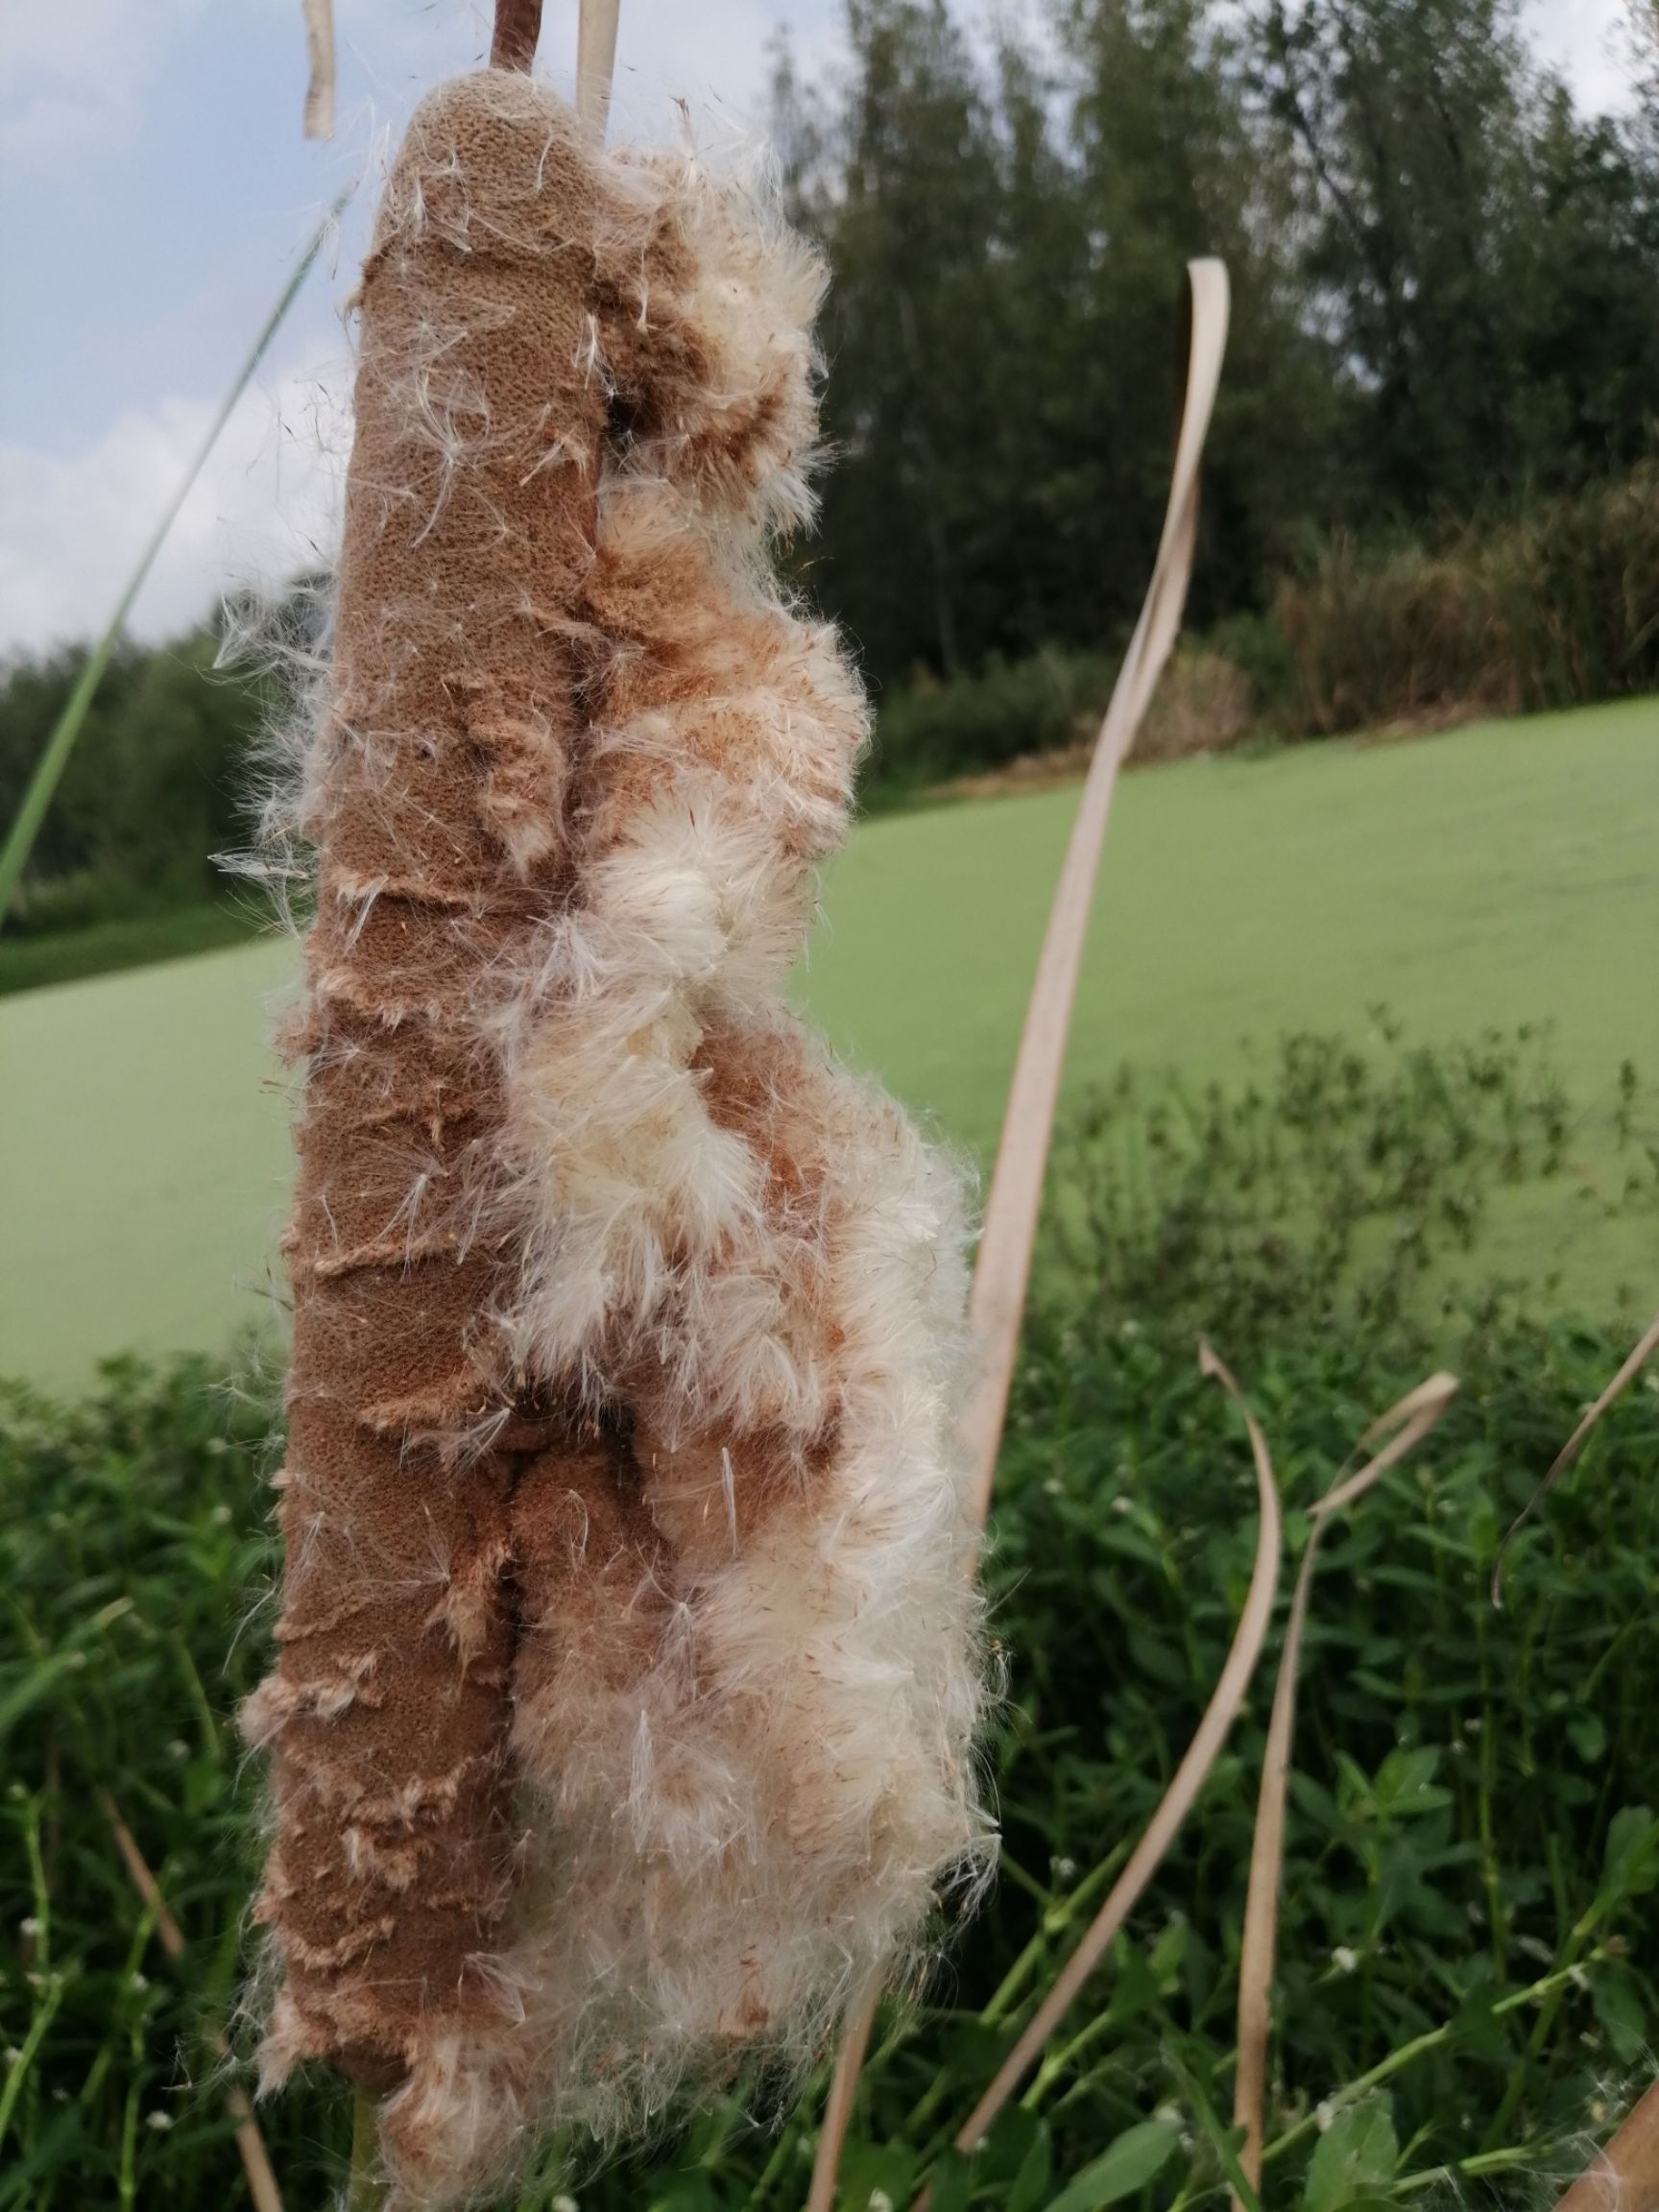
(1502, 875)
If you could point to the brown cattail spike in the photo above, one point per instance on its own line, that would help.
(628, 1666)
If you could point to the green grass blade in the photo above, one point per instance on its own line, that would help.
(21, 836)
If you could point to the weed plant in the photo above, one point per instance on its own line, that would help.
(1470, 1889)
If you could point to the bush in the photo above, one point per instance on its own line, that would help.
(1558, 608)
(1204, 703)
(931, 730)
(1472, 1882)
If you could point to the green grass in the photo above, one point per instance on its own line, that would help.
(104, 948)
(1471, 1895)
(1499, 876)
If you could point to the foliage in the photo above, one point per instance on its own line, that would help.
(1555, 607)
(157, 785)
(140, 930)
(1443, 299)
(1473, 1874)
(929, 730)
(1434, 416)
(1006, 245)
(1460, 218)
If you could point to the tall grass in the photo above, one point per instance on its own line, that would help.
(1556, 608)
(1472, 1882)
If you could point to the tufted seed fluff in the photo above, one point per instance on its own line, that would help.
(629, 1663)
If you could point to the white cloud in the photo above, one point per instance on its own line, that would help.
(74, 72)
(1586, 41)
(265, 504)
(76, 75)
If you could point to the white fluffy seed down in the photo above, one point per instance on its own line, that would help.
(749, 1674)
(751, 1771)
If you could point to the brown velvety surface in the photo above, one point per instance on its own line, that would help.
(437, 808)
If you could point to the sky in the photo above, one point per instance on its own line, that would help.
(157, 193)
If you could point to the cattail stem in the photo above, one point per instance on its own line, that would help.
(366, 2191)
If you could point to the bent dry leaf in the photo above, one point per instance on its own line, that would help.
(1405, 1424)
(1004, 1266)
(1642, 1352)
(1191, 1775)
(998, 1300)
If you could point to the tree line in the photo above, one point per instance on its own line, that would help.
(1445, 278)
(1445, 330)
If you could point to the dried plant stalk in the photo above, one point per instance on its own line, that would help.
(257, 2165)
(1254, 1621)
(595, 61)
(1623, 2175)
(1003, 1267)
(1016, 1195)
(320, 52)
(628, 1666)
(1642, 1352)
(1406, 1424)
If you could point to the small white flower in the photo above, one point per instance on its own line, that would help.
(13, 2053)
(1344, 1960)
(1063, 1869)
(221, 1516)
(140, 1981)
(1122, 1504)
(880, 2202)
(178, 1748)
(1324, 2113)
(563, 2204)
(160, 2121)
(31, 1927)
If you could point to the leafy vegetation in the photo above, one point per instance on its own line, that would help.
(1428, 487)
(1472, 1883)
(1443, 300)
(1497, 875)
(157, 784)
(1552, 607)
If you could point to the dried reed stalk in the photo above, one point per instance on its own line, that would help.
(517, 28)
(319, 51)
(262, 2186)
(1575, 1444)
(595, 61)
(1003, 1269)
(1406, 1425)
(1177, 1801)
(1623, 2175)
(1011, 1209)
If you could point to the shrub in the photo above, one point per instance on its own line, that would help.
(1558, 607)
(1204, 703)
(1472, 1884)
(931, 730)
